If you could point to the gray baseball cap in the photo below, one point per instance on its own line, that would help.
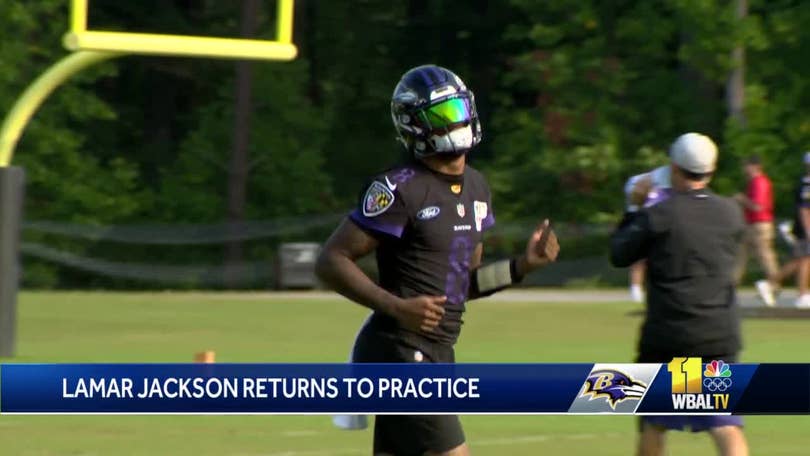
(694, 152)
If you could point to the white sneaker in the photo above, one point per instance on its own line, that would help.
(636, 294)
(765, 292)
(803, 302)
(350, 422)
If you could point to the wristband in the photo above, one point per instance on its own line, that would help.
(517, 277)
(496, 276)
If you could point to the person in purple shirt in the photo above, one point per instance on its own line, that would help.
(652, 188)
(426, 221)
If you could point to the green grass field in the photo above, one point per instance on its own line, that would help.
(171, 327)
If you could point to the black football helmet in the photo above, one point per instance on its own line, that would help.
(434, 112)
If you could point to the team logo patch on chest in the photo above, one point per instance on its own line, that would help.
(377, 200)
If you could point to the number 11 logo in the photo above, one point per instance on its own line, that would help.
(686, 375)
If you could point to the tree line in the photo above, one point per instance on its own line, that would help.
(574, 96)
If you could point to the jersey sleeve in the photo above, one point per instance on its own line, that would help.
(661, 177)
(628, 190)
(381, 210)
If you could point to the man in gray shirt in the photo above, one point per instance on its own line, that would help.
(691, 242)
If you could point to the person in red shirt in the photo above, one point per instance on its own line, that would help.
(757, 203)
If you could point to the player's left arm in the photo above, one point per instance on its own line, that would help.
(541, 249)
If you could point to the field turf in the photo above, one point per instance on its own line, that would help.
(171, 327)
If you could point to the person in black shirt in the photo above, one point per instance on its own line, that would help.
(691, 242)
(425, 220)
(801, 224)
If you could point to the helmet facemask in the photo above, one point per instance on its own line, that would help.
(457, 142)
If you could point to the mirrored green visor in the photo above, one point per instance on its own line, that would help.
(447, 113)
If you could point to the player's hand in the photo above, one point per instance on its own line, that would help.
(638, 195)
(542, 247)
(421, 313)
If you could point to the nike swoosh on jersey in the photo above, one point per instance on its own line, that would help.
(391, 186)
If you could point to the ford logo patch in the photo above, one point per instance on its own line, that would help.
(428, 213)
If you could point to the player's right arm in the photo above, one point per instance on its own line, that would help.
(381, 215)
(337, 267)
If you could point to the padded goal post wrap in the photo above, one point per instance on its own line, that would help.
(12, 185)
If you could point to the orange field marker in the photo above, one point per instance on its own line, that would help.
(205, 357)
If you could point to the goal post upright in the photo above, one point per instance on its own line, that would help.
(78, 16)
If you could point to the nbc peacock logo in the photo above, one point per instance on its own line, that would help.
(717, 376)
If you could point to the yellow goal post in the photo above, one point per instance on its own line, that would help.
(93, 46)
(79, 38)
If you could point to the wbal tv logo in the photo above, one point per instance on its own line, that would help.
(694, 388)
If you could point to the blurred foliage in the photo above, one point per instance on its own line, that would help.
(575, 96)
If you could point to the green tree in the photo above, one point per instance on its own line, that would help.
(286, 168)
(595, 87)
(777, 92)
(66, 181)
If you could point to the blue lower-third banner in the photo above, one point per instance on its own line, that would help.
(683, 386)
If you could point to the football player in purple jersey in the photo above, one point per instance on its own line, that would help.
(425, 220)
